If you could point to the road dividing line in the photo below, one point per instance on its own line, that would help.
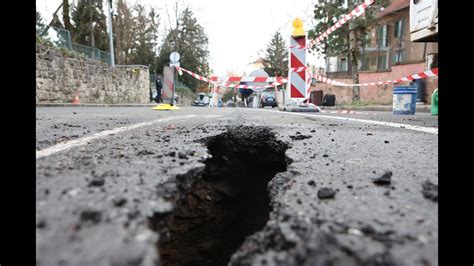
(431, 130)
(82, 141)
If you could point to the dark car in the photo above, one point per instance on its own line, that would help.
(268, 99)
(230, 103)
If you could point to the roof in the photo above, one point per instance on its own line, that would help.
(395, 5)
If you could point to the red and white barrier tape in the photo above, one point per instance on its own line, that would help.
(421, 75)
(359, 10)
(215, 80)
(199, 77)
(231, 79)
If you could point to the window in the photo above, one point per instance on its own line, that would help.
(382, 63)
(373, 61)
(382, 38)
(367, 39)
(343, 64)
(365, 64)
(398, 56)
(398, 30)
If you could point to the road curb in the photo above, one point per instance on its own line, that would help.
(420, 109)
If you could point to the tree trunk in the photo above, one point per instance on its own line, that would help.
(355, 67)
(349, 57)
(66, 18)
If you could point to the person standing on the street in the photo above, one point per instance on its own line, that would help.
(215, 97)
(159, 86)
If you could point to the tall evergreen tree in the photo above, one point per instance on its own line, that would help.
(145, 37)
(189, 39)
(124, 26)
(275, 61)
(90, 24)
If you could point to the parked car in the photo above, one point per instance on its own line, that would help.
(202, 100)
(268, 98)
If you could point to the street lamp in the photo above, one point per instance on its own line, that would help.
(111, 39)
(93, 38)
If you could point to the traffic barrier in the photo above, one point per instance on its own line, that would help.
(199, 77)
(425, 74)
(298, 80)
(215, 80)
(429, 73)
(230, 79)
(280, 81)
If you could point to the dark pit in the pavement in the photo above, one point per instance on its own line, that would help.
(229, 202)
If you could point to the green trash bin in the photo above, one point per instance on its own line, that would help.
(434, 103)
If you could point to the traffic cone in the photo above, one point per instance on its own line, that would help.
(76, 101)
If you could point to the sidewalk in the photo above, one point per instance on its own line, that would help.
(99, 105)
(422, 108)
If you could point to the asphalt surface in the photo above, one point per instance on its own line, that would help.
(353, 193)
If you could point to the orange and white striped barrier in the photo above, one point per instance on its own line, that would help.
(298, 79)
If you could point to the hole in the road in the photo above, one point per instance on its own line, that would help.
(229, 202)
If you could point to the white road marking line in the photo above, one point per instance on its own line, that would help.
(431, 130)
(82, 141)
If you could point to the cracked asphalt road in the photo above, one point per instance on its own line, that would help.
(94, 199)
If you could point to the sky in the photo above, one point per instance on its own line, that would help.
(238, 30)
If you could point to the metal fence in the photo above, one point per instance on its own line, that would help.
(92, 52)
(62, 38)
(57, 36)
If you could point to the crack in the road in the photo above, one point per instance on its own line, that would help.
(228, 201)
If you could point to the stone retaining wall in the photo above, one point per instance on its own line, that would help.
(60, 75)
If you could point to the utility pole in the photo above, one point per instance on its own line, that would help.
(111, 38)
